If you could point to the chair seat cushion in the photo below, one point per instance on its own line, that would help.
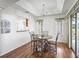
(51, 42)
(53, 49)
(34, 40)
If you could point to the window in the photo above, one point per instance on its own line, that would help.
(22, 25)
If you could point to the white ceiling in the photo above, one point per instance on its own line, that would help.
(67, 5)
(6, 3)
(35, 6)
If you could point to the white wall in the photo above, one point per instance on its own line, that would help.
(13, 40)
(69, 31)
(65, 30)
(51, 25)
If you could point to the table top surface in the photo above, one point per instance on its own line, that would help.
(44, 37)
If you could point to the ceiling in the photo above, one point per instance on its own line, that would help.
(36, 7)
(67, 5)
(6, 3)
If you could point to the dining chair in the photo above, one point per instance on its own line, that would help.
(33, 42)
(36, 45)
(40, 47)
(45, 42)
(44, 33)
(53, 46)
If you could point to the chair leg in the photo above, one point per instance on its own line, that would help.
(33, 48)
(52, 53)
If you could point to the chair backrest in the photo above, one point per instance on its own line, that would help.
(45, 33)
(57, 37)
(31, 35)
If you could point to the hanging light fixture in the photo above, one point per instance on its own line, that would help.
(43, 8)
(43, 14)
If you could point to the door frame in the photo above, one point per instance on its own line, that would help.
(75, 33)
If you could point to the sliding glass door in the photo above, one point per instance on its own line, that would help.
(77, 34)
(73, 32)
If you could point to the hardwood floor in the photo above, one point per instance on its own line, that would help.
(25, 52)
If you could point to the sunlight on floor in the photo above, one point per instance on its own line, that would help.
(58, 53)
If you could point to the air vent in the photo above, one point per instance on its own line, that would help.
(1, 8)
(26, 11)
(59, 18)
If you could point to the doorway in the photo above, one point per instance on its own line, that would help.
(75, 33)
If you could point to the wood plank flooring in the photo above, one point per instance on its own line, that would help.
(25, 52)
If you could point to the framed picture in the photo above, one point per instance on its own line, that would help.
(5, 26)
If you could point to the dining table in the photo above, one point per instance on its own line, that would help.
(44, 41)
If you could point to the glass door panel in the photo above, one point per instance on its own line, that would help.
(73, 32)
(78, 34)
